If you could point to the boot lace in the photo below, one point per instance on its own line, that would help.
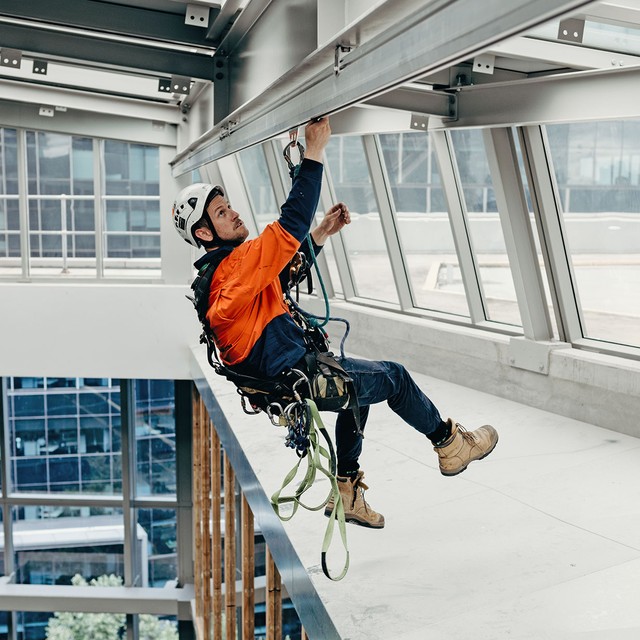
(467, 435)
(359, 488)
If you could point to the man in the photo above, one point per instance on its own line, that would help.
(256, 335)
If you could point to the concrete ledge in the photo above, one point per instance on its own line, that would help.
(603, 390)
(34, 597)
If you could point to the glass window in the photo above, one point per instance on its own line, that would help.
(485, 228)
(8, 161)
(363, 238)
(54, 544)
(61, 206)
(597, 168)
(131, 169)
(62, 404)
(132, 228)
(160, 528)
(65, 441)
(155, 437)
(28, 405)
(26, 383)
(9, 216)
(423, 222)
(258, 184)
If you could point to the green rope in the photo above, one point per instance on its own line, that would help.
(314, 457)
(327, 309)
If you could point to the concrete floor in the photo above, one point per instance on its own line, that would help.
(541, 540)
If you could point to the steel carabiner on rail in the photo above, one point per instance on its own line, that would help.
(293, 142)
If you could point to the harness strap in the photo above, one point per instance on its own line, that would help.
(314, 458)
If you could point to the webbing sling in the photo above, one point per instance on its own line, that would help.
(314, 456)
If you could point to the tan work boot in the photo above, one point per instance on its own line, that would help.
(463, 447)
(356, 508)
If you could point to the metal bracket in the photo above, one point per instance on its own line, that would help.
(180, 84)
(571, 30)
(227, 129)
(10, 58)
(532, 355)
(197, 15)
(40, 66)
(453, 107)
(340, 53)
(419, 122)
(164, 85)
(484, 63)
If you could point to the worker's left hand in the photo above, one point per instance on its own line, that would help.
(334, 220)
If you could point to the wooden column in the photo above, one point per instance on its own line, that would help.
(248, 571)
(197, 507)
(274, 600)
(216, 534)
(205, 441)
(230, 549)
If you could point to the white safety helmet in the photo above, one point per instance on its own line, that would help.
(189, 207)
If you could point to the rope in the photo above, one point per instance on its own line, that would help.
(315, 454)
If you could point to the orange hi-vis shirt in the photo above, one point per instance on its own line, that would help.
(247, 313)
(246, 294)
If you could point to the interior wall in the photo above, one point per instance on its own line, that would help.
(104, 330)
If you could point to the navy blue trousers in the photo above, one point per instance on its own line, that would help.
(379, 381)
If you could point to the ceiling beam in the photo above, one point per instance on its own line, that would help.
(435, 35)
(114, 18)
(91, 47)
(571, 97)
(18, 91)
(563, 54)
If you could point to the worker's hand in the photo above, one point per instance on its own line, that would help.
(334, 220)
(316, 136)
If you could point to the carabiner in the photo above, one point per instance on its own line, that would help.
(293, 142)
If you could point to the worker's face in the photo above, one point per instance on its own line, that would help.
(226, 222)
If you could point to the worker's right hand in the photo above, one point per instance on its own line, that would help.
(316, 136)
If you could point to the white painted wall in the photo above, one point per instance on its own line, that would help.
(104, 330)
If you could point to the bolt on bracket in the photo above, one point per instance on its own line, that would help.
(340, 53)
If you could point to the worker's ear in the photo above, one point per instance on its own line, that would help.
(203, 233)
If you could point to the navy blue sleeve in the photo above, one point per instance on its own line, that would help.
(298, 211)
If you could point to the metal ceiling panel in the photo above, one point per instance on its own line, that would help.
(435, 35)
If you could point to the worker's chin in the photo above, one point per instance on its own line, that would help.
(237, 240)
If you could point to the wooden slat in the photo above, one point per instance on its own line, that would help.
(303, 634)
(248, 571)
(274, 600)
(216, 534)
(207, 427)
(230, 549)
(197, 501)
